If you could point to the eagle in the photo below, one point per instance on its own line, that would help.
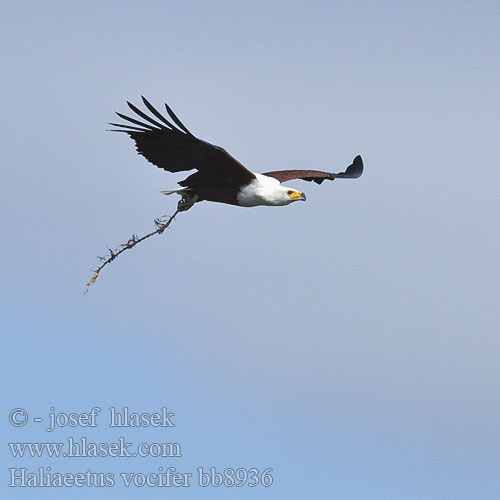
(218, 177)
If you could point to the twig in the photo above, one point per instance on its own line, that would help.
(131, 243)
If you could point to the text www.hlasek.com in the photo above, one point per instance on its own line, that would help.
(84, 448)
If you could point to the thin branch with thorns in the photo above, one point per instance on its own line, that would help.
(160, 225)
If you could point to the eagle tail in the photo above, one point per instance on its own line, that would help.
(182, 191)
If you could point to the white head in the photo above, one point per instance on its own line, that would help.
(264, 190)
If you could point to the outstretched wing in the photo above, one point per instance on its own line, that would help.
(353, 171)
(174, 148)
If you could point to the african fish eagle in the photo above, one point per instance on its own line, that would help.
(219, 177)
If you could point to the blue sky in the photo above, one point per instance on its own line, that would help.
(349, 342)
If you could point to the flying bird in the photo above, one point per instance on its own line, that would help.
(219, 177)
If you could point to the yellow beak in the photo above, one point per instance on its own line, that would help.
(297, 195)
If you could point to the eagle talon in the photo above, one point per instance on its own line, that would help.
(185, 203)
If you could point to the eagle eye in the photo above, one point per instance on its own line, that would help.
(290, 191)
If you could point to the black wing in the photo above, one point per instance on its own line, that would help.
(353, 171)
(174, 148)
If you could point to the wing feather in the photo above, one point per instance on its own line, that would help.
(133, 120)
(131, 127)
(136, 110)
(156, 112)
(176, 120)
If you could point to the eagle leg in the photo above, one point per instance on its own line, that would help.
(186, 202)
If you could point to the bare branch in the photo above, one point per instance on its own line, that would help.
(160, 225)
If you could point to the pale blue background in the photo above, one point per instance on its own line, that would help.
(349, 342)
